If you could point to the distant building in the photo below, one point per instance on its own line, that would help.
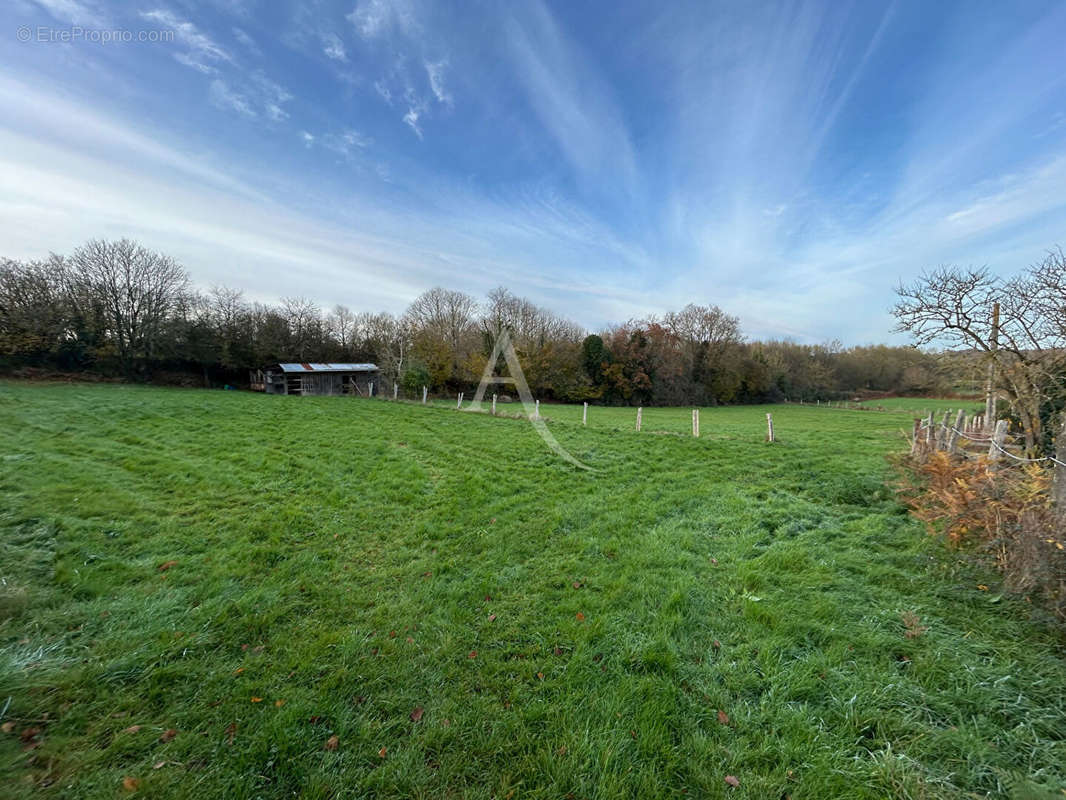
(316, 379)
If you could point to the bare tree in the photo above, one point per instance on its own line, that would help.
(953, 307)
(445, 317)
(389, 339)
(342, 327)
(137, 288)
(305, 326)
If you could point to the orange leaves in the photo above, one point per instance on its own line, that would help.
(257, 699)
(168, 735)
(732, 781)
(167, 565)
(332, 743)
(580, 617)
(723, 717)
(492, 617)
(231, 731)
(383, 752)
(473, 654)
(131, 784)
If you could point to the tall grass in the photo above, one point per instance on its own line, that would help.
(262, 574)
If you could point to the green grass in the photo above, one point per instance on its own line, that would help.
(340, 559)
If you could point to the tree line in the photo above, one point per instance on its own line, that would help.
(119, 308)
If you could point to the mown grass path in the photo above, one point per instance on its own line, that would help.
(333, 565)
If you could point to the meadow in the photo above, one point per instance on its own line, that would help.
(225, 595)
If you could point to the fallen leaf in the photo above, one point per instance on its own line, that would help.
(168, 734)
(382, 752)
(257, 699)
(231, 731)
(473, 654)
(732, 781)
(488, 598)
(332, 743)
(714, 561)
(717, 645)
(446, 723)
(492, 617)
(427, 574)
(132, 729)
(559, 651)
(416, 715)
(29, 733)
(7, 727)
(259, 648)
(540, 675)
(238, 671)
(131, 784)
(279, 703)
(633, 734)
(578, 584)
(392, 634)
(580, 617)
(159, 765)
(167, 565)
(562, 750)
(723, 717)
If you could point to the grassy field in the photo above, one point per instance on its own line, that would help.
(220, 594)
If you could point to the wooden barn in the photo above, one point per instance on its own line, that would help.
(321, 379)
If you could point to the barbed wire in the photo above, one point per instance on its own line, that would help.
(989, 440)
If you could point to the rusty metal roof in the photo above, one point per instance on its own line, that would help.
(332, 367)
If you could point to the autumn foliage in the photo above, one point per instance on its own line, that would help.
(1003, 511)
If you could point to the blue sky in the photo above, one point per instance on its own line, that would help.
(790, 162)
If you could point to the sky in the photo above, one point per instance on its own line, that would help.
(788, 162)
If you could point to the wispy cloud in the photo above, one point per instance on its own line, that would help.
(222, 96)
(435, 72)
(333, 47)
(74, 12)
(202, 52)
(247, 41)
(570, 98)
(373, 18)
(411, 119)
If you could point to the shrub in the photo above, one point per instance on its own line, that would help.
(1004, 511)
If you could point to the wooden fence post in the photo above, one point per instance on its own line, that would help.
(941, 432)
(424, 390)
(769, 427)
(639, 409)
(995, 449)
(1058, 483)
(536, 412)
(953, 434)
(696, 422)
(395, 390)
(494, 405)
(915, 434)
(585, 415)
(370, 390)
(929, 431)
(459, 402)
